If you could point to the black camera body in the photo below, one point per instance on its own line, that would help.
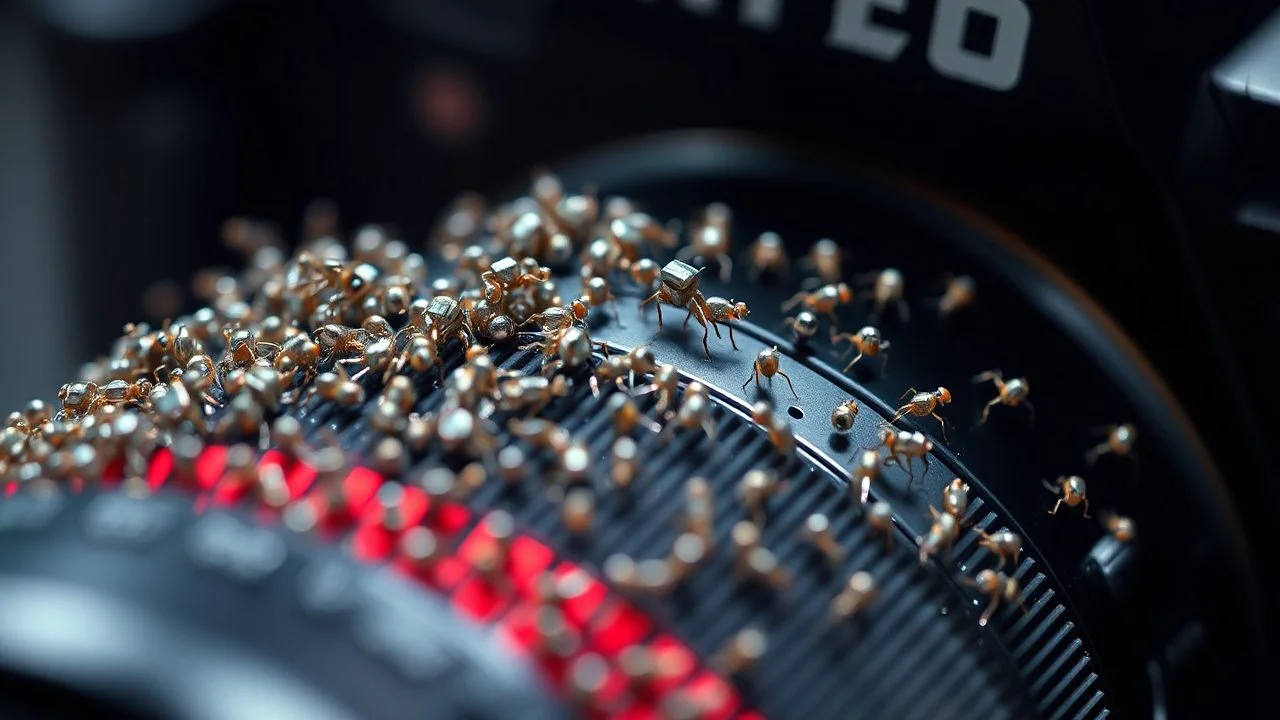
(1112, 164)
(1074, 125)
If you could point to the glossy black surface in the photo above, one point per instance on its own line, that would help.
(1026, 323)
(145, 608)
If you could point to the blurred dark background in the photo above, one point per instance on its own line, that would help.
(132, 128)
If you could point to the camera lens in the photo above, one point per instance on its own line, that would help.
(584, 460)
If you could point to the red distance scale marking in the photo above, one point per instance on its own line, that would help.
(580, 608)
(210, 466)
(607, 623)
(358, 489)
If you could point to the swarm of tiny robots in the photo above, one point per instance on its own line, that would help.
(363, 323)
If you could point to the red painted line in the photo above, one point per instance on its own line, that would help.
(209, 466)
(606, 622)
(161, 469)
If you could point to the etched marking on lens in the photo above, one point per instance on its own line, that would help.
(125, 521)
(29, 511)
(236, 549)
(404, 641)
(326, 587)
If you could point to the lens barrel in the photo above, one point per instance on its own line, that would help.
(524, 529)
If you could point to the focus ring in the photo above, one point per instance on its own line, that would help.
(816, 660)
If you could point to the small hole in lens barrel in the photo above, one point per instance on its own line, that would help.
(795, 412)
